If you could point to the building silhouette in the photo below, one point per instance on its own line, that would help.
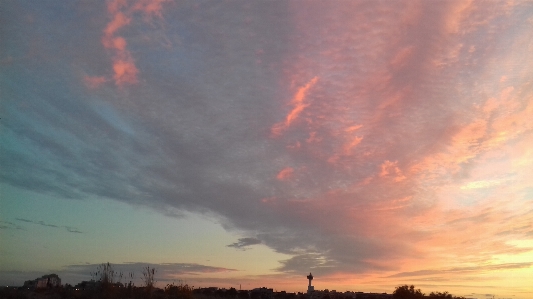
(46, 281)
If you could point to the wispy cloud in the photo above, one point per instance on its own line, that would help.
(46, 224)
(9, 225)
(73, 230)
(299, 104)
(244, 243)
(42, 223)
(285, 173)
(464, 270)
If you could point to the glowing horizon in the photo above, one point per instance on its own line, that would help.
(250, 143)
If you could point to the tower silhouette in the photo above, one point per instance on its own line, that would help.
(310, 288)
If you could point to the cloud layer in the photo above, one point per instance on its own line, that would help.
(355, 137)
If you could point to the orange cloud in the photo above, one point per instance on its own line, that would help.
(125, 71)
(285, 174)
(483, 227)
(299, 105)
(124, 68)
(456, 14)
(118, 21)
(494, 124)
(353, 128)
(353, 143)
(349, 142)
(396, 204)
(121, 13)
(391, 169)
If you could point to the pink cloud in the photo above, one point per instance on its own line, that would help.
(391, 169)
(285, 174)
(397, 125)
(457, 14)
(121, 14)
(125, 71)
(400, 134)
(298, 103)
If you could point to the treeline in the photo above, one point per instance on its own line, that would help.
(409, 292)
(110, 292)
(106, 283)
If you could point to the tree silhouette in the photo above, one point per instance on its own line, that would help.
(106, 275)
(108, 278)
(148, 279)
(439, 295)
(181, 291)
(407, 292)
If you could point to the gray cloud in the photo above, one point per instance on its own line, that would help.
(165, 272)
(243, 243)
(195, 134)
(24, 220)
(46, 224)
(72, 230)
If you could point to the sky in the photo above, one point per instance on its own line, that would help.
(247, 143)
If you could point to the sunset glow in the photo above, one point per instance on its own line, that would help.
(238, 143)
